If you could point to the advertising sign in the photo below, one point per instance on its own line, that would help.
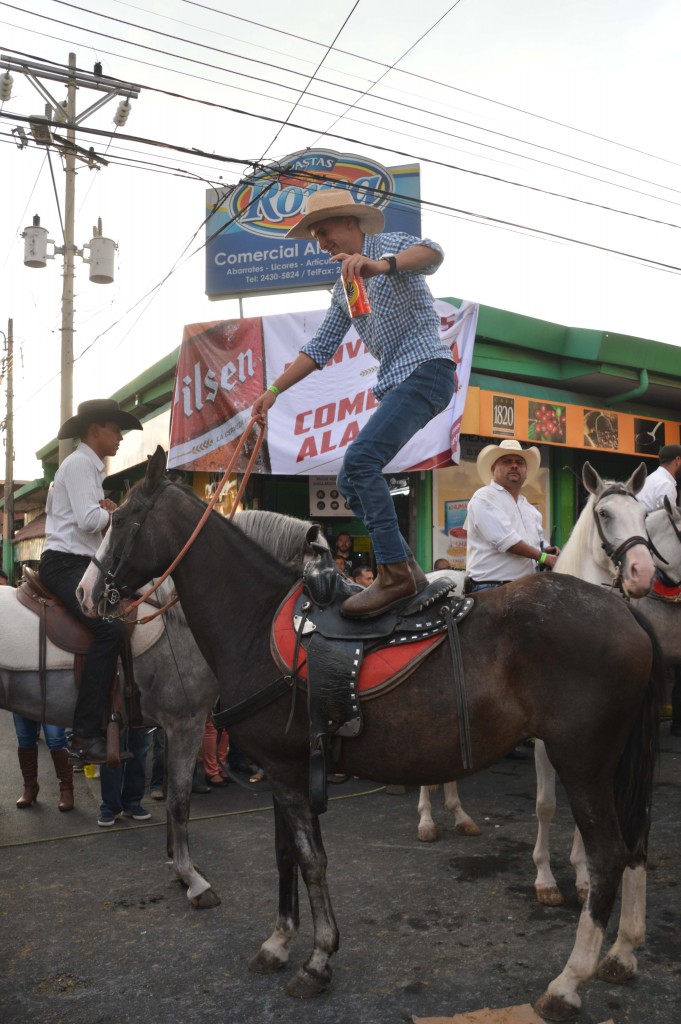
(224, 366)
(574, 426)
(247, 251)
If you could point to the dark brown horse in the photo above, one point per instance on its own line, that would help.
(550, 656)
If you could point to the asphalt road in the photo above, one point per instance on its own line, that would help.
(94, 929)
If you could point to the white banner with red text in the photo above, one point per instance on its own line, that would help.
(224, 366)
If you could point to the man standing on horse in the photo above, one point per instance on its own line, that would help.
(416, 373)
(78, 514)
(505, 538)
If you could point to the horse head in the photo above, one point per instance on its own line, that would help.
(664, 529)
(620, 541)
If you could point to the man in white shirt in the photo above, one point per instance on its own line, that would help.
(78, 514)
(505, 540)
(664, 481)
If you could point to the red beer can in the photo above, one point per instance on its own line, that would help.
(356, 294)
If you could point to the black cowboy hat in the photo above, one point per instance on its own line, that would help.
(97, 410)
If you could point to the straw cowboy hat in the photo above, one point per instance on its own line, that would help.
(491, 452)
(337, 202)
(97, 410)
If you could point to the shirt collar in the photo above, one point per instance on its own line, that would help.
(92, 455)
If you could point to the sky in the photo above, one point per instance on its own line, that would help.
(548, 149)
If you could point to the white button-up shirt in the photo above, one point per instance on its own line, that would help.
(75, 519)
(496, 521)
(658, 484)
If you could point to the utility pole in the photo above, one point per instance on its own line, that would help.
(42, 130)
(8, 510)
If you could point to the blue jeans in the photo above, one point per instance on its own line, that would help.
(123, 788)
(402, 412)
(27, 733)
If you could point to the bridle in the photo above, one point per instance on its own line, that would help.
(112, 592)
(616, 554)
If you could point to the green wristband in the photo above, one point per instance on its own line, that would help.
(542, 558)
(275, 391)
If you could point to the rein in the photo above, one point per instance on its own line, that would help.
(111, 594)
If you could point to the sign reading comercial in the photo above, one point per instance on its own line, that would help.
(247, 251)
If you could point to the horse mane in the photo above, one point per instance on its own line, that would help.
(571, 558)
(284, 537)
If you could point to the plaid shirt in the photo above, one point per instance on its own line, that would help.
(402, 329)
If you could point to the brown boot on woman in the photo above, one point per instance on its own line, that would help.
(28, 762)
(64, 771)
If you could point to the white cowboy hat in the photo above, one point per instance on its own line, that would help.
(337, 202)
(491, 452)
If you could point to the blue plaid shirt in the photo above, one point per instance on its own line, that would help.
(402, 329)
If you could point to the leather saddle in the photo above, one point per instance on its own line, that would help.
(64, 630)
(336, 645)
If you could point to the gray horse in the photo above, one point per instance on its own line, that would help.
(178, 689)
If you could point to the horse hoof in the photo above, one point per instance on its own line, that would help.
(582, 893)
(550, 896)
(306, 985)
(206, 900)
(467, 828)
(265, 962)
(427, 833)
(553, 1007)
(615, 971)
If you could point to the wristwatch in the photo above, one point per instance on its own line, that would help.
(392, 263)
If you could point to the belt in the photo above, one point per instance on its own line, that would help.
(489, 583)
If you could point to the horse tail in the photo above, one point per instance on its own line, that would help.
(637, 766)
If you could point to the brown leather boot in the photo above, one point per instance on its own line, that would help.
(393, 584)
(28, 762)
(64, 772)
(420, 578)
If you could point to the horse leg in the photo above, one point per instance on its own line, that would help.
(274, 952)
(427, 830)
(607, 855)
(182, 745)
(578, 861)
(314, 976)
(619, 964)
(463, 823)
(545, 884)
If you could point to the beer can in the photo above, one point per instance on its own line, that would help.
(356, 294)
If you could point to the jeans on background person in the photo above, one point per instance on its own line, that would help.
(28, 731)
(123, 788)
(402, 412)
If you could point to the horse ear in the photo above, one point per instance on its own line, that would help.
(638, 478)
(591, 479)
(156, 468)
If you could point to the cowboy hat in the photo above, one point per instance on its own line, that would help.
(97, 410)
(337, 202)
(491, 452)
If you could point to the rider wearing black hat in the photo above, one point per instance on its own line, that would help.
(78, 514)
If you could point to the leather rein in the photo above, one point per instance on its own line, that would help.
(111, 594)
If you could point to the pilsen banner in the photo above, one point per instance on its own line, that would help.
(224, 366)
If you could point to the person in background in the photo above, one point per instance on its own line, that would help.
(415, 378)
(341, 563)
(505, 539)
(78, 514)
(344, 549)
(441, 563)
(664, 481)
(27, 751)
(123, 788)
(362, 575)
(214, 753)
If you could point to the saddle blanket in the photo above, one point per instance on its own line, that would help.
(20, 630)
(380, 671)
